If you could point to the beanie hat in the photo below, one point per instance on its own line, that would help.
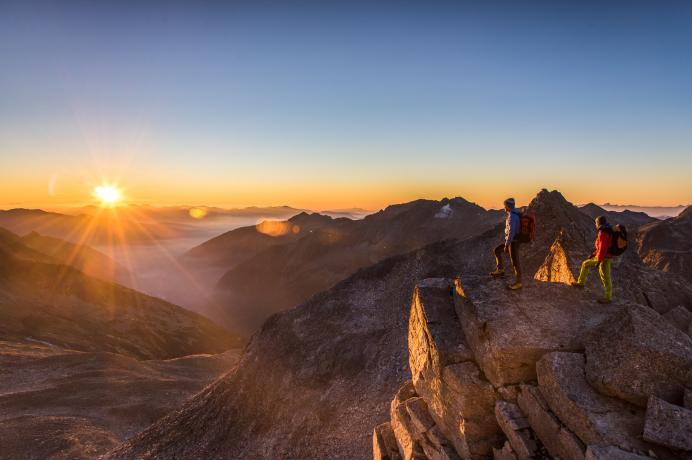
(509, 202)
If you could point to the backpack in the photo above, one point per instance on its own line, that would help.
(619, 240)
(527, 228)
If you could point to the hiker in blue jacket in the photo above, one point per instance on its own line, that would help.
(510, 244)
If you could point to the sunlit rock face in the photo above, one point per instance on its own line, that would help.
(558, 266)
(444, 373)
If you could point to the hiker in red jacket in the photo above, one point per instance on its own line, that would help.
(601, 258)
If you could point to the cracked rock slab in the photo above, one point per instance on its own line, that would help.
(516, 427)
(559, 441)
(596, 419)
(384, 446)
(402, 427)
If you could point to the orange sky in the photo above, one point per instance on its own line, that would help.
(369, 192)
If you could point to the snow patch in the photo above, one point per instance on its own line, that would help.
(445, 212)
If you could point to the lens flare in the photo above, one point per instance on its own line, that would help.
(198, 212)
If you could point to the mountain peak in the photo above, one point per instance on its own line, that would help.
(686, 214)
(550, 198)
(309, 218)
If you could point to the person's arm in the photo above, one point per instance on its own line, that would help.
(602, 245)
(513, 227)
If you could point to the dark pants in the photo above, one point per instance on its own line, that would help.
(513, 257)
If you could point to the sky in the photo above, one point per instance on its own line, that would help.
(327, 105)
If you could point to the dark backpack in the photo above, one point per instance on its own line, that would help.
(618, 243)
(527, 228)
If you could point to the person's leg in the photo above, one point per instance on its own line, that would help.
(498, 256)
(514, 258)
(585, 267)
(605, 271)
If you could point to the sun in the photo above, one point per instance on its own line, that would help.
(109, 195)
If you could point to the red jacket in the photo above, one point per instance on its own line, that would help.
(603, 242)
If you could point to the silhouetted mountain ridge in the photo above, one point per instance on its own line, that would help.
(625, 217)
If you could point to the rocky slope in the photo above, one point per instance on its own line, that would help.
(82, 257)
(41, 300)
(315, 380)
(544, 373)
(323, 251)
(22, 221)
(667, 245)
(57, 403)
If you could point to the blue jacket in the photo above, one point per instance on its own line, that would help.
(512, 225)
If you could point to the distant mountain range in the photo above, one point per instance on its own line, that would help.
(276, 267)
(660, 212)
(624, 217)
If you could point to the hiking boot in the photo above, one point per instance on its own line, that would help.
(498, 273)
(576, 285)
(517, 285)
(604, 301)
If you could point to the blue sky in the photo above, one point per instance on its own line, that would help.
(357, 105)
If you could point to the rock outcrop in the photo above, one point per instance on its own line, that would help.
(509, 333)
(444, 373)
(501, 374)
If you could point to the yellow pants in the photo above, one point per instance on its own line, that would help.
(603, 270)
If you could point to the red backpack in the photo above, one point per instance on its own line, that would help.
(619, 240)
(527, 228)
